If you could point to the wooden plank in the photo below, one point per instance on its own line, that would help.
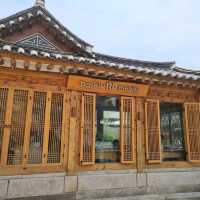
(63, 135)
(46, 128)
(74, 131)
(186, 133)
(27, 128)
(82, 127)
(122, 130)
(140, 144)
(6, 135)
(66, 132)
(83, 84)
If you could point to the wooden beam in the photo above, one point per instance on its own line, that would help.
(46, 128)
(28, 128)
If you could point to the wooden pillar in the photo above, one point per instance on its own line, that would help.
(74, 132)
(140, 144)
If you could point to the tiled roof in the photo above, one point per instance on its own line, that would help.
(165, 69)
(24, 17)
(159, 69)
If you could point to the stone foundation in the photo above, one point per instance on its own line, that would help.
(101, 184)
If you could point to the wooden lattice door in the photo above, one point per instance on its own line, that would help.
(88, 127)
(127, 129)
(31, 127)
(192, 118)
(17, 127)
(153, 137)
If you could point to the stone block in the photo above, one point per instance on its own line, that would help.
(3, 188)
(35, 186)
(107, 181)
(111, 193)
(71, 184)
(141, 180)
(173, 178)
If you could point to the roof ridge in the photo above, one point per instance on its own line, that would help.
(17, 14)
(44, 11)
(169, 64)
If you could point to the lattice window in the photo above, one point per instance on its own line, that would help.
(87, 152)
(55, 131)
(127, 130)
(17, 131)
(153, 140)
(37, 128)
(192, 113)
(3, 106)
(38, 40)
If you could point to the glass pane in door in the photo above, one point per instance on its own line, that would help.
(108, 129)
(172, 132)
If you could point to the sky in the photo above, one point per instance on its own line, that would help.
(153, 30)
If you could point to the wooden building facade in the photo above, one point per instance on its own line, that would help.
(66, 108)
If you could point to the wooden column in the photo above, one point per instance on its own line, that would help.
(74, 132)
(140, 144)
(66, 120)
(46, 128)
(28, 128)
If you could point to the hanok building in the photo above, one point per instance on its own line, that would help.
(73, 121)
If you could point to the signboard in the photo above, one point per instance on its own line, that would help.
(79, 83)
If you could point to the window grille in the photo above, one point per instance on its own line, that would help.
(127, 130)
(87, 152)
(55, 131)
(37, 128)
(153, 140)
(17, 130)
(31, 127)
(192, 115)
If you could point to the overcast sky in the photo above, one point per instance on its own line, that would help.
(155, 30)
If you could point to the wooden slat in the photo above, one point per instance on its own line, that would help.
(46, 128)
(192, 118)
(74, 131)
(28, 127)
(88, 129)
(140, 135)
(127, 129)
(64, 130)
(153, 137)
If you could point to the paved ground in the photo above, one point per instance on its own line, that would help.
(181, 196)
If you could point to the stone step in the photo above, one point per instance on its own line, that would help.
(178, 196)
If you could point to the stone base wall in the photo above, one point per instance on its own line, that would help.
(101, 184)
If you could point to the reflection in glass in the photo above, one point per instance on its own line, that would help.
(172, 136)
(108, 129)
